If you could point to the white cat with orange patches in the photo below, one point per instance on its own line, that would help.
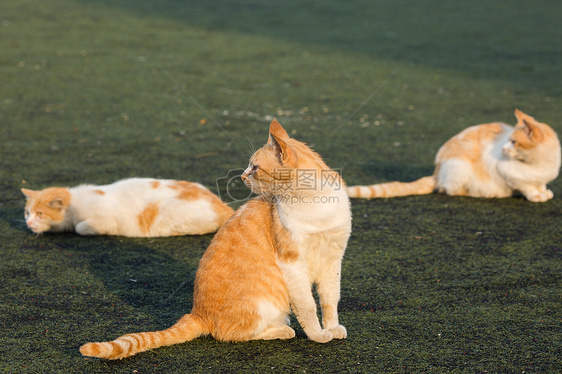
(262, 263)
(137, 207)
(493, 160)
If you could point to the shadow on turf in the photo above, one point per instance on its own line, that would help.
(140, 274)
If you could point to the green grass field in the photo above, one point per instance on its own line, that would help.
(96, 91)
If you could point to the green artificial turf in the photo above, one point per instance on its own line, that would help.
(96, 91)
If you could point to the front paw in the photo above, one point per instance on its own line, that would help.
(83, 228)
(339, 332)
(541, 197)
(323, 336)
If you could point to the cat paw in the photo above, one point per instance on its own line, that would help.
(82, 228)
(339, 332)
(278, 332)
(323, 336)
(285, 332)
(541, 197)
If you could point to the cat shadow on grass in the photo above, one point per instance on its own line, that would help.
(145, 283)
(13, 216)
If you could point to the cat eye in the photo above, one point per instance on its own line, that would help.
(254, 169)
(39, 214)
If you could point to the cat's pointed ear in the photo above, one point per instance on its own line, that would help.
(522, 116)
(28, 193)
(277, 138)
(275, 129)
(57, 203)
(530, 125)
(286, 154)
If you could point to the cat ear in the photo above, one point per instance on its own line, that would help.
(286, 154)
(532, 131)
(522, 116)
(277, 138)
(57, 204)
(530, 126)
(28, 193)
(275, 129)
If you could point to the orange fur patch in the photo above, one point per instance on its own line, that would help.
(468, 145)
(223, 211)
(147, 217)
(422, 186)
(284, 241)
(41, 202)
(155, 184)
(243, 252)
(99, 192)
(192, 191)
(187, 190)
(522, 140)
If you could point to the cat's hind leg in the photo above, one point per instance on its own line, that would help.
(454, 176)
(276, 332)
(273, 322)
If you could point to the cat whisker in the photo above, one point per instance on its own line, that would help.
(251, 147)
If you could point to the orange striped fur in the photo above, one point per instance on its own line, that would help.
(422, 186)
(262, 262)
(131, 207)
(491, 160)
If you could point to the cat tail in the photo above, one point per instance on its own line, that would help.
(187, 328)
(422, 186)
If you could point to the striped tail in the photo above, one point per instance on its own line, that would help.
(422, 186)
(187, 328)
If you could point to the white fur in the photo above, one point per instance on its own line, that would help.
(270, 315)
(320, 232)
(36, 224)
(116, 212)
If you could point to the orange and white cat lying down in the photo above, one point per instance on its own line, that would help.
(263, 261)
(490, 160)
(138, 207)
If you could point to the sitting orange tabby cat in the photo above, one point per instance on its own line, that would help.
(264, 260)
(491, 160)
(131, 207)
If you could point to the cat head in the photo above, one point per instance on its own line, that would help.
(46, 208)
(285, 166)
(530, 139)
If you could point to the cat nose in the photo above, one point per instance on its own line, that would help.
(243, 177)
